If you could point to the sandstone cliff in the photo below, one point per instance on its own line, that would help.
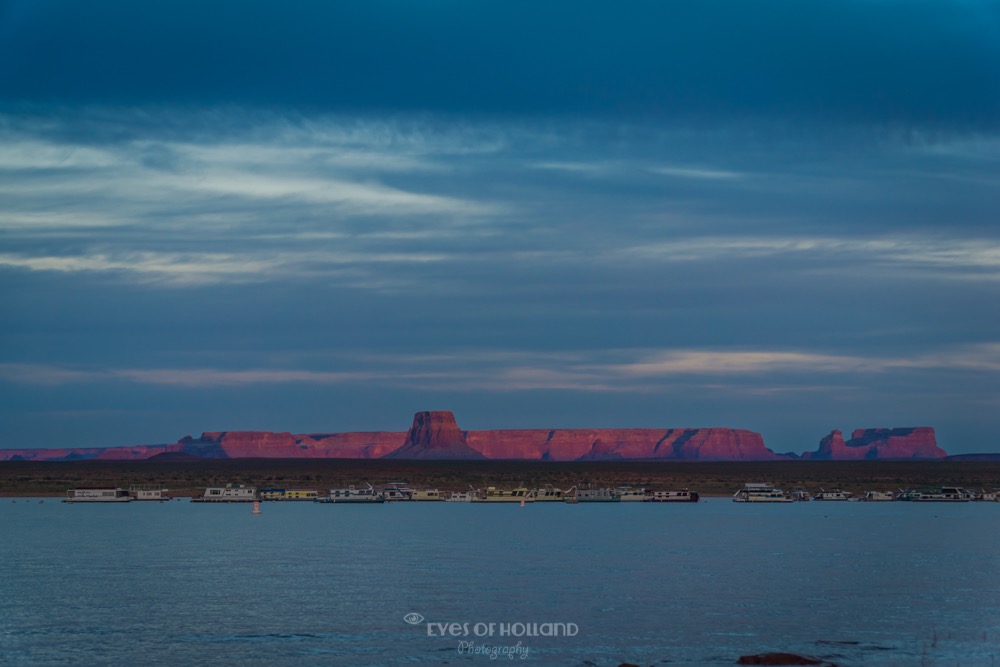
(435, 435)
(706, 444)
(879, 443)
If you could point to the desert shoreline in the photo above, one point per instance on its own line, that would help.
(709, 478)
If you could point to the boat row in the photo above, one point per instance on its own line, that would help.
(762, 492)
(752, 492)
(402, 492)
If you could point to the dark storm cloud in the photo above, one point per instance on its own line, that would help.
(933, 63)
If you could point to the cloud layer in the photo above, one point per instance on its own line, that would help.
(776, 215)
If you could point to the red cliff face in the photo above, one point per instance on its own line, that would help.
(688, 444)
(361, 445)
(435, 435)
(879, 443)
(254, 444)
(706, 444)
(899, 443)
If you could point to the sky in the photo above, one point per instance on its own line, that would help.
(325, 216)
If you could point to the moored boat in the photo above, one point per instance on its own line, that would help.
(587, 493)
(148, 492)
(938, 494)
(230, 493)
(548, 494)
(682, 496)
(879, 496)
(426, 495)
(461, 496)
(353, 495)
(492, 494)
(836, 494)
(760, 492)
(289, 494)
(628, 494)
(97, 494)
(397, 491)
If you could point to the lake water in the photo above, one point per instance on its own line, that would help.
(892, 584)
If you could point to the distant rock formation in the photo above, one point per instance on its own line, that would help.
(688, 444)
(704, 444)
(435, 435)
(879, 443)
(267, 444)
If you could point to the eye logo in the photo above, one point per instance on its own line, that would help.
(413, 618)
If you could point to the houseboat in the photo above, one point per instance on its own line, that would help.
(353, 495)
(938, 494)
(801, 494)
(627, 494)
(289, 494)
(97, 494)
(461, 496)
(397, 491)
(426, 495)
(682, 496)
(230, 493)
(492, 494)
(585, 493)
(836, 494)
(148, 492)
(879, 496)
(549, 494)
(760, 492)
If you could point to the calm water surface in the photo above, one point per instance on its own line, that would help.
(882, 584)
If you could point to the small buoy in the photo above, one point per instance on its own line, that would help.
(522, 502)
(256, 507)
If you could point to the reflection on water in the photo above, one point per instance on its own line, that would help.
(174, 583)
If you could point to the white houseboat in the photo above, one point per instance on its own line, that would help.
(682, 496)
(585, 493)
(836, 494)
(230, 493)
(937, 494)
(461, 496)
(353, 495)
(97, 494)
(627, 494)
(148, 492)
(397, 491)
(760, 492)
(879, 496)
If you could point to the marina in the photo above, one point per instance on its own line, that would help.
(750, 492)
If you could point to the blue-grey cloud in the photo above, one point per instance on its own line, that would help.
(775, 215)
(890, 62)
